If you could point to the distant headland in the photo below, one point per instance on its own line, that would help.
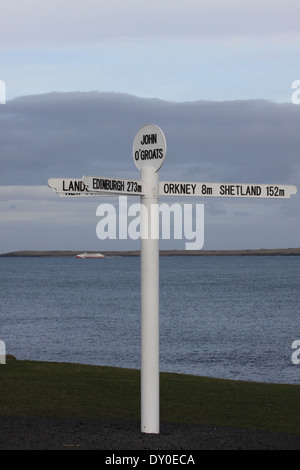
(259, 252)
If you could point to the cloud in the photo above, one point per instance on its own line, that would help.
(171, 50)
(32, 22)
(75, 134)
(72, 134)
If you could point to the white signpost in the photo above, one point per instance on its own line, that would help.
(69, 187)
(149, 152)
(114, 186)
(95, 186)
(175, 188)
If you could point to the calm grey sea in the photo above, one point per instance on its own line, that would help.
(228, 317)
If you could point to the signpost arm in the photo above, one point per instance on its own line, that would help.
(150, 303)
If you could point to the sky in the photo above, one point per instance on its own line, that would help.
(83, 76)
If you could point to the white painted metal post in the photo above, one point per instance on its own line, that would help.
(150, 303)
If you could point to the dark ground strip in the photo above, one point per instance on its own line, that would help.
(100, 434)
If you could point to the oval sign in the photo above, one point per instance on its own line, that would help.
(149, 147)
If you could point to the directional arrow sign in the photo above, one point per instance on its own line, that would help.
(176, 188)
(69, 187)
(115, 186)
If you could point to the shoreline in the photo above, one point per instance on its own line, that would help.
(184, 375)
(250, 252)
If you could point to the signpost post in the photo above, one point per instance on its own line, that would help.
(149, 152)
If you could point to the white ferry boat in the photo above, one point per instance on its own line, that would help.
(90, 255)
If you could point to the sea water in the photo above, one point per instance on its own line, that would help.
(230, 317)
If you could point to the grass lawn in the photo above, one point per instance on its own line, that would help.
(31, 388)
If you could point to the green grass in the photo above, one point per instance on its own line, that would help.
(29, 388)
